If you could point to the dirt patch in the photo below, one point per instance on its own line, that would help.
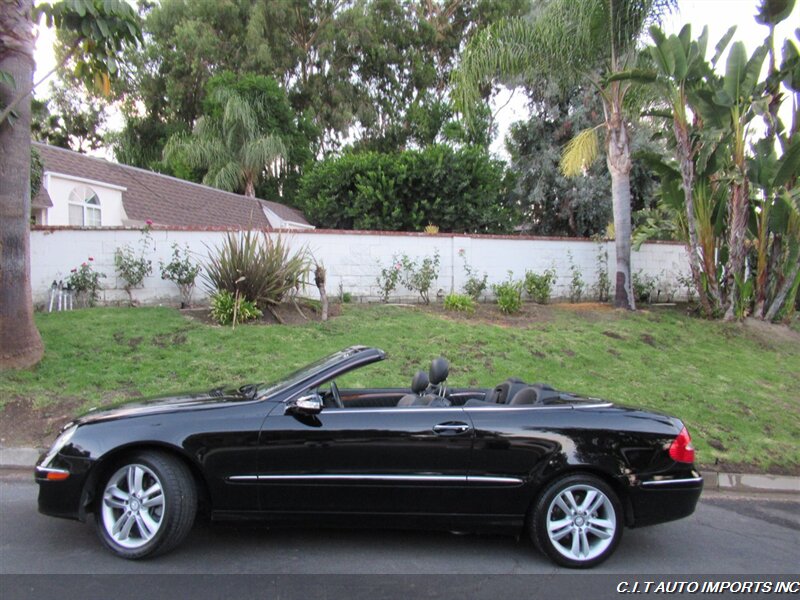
(769, 334)
(569, 353)
(648, 339)
(287, 313)
(613, 335)
(163, 340)
(22, 424)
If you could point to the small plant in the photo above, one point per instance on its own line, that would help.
(344, 297)
(230, 309)
(85, 282)
(132, 266)
(687, 282)
(745, 295)
(475, 285)
(459, 303)
(431, 229)
(419, 277)
(509, 295)
(388, 279)
(643, 286)
(603, 286)
(182, 272)
(539, 287)
(576, 283)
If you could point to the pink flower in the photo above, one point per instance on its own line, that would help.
(91, 258)
(398, 266)
(84, 265)
(73, 270)
(461, 252)
(148, 222)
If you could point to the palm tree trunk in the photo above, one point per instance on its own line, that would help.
(694, 250)
(783, 292)
(618, 158)
(20, 343)
(249, 187)
(736, 243)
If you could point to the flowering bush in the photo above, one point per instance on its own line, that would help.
(85, 282)
(131, 266)
(181, 271)
(474, 286)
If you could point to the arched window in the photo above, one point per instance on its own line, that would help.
(84, 207)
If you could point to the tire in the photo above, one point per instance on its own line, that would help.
(157, 516)
(577, 521)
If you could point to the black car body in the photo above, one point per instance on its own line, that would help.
(302, 450)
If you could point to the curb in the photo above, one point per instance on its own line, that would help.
(25, 458)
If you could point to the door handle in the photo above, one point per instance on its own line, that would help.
(451, 428)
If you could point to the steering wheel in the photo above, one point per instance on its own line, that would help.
(337, 399)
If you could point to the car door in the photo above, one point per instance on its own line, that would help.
(365, 460)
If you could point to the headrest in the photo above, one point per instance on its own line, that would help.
(440, 369)
(528, 395)
(420, 382)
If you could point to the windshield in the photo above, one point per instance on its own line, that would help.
(306, 372)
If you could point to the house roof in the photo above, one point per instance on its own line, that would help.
(167, 200)
(42, 199)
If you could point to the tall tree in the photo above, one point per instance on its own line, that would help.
(572, 42)
(101, 28)
(234, 145)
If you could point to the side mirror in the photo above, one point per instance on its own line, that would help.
(308, 405)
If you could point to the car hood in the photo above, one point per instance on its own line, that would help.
(172, 403)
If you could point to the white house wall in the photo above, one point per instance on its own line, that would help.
(112, 212)
(352, 259)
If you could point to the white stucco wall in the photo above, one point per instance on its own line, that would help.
(353, 259)
(112, 212)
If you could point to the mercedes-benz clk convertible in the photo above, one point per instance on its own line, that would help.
(569, 471)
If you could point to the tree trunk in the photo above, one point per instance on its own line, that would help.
(693, 248)
(20, 343)
(783, 292)
(320, 276)
(619, 165)
(249, 187)
(737, 223)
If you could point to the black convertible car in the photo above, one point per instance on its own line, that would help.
(570, 471)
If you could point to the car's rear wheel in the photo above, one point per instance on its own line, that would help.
(577, 521)
(146, 505)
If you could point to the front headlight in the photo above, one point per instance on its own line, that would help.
(60, 442)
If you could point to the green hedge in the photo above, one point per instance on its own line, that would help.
(462, 190)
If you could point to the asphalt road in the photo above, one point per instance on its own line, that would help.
(727, 535)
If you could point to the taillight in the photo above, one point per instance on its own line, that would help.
(681, 449)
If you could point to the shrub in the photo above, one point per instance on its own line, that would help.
(347, 297)
(420, 276)
(539, 287)
(131, 265)
(576, 283)
(643, 286)
(231, 309)
(462, 190)
(85, 282)
(475, 286)
(182, 272)
(459, 303)
(261, 269)
(509, 295)
(388, 279)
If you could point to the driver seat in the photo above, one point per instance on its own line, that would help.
(417, 396)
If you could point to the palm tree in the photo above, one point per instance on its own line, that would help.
(233, 147)
(20, 343)
(570, 42)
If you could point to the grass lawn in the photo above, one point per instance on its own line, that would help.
(736, 386)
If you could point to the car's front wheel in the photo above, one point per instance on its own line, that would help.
(577, 521)
(147, 505)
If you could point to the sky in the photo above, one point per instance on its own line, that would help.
(510, 106)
